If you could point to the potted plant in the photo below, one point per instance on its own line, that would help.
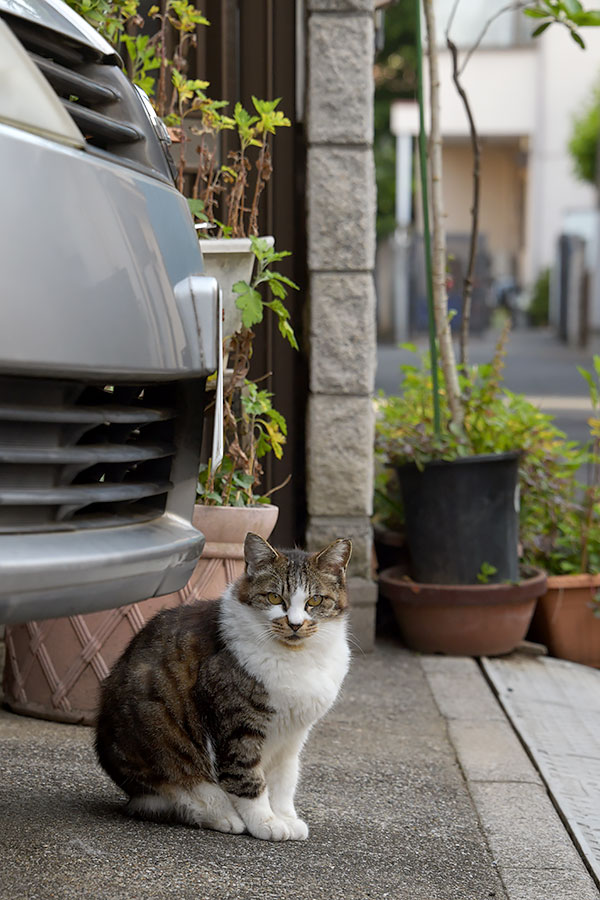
(458, 478)
(54, 668)
(461, 438)
(460, 533)
(561, 533)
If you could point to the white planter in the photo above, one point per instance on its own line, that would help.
(229, 260)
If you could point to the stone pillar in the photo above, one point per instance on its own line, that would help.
(341, 258)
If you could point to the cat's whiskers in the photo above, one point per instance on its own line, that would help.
(354, 642)
(264, 637)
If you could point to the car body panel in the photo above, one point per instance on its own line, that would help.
(108, 301)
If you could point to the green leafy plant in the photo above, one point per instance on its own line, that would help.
(495, 420)
(485, 573)
(388, 511)
(569, 13)
(561, 499)
(559, 517)
(249, 299)
(259, 429)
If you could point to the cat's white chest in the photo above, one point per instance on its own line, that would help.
(303, 687)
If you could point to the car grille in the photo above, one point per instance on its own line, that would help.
(99, 98)
(80, 455)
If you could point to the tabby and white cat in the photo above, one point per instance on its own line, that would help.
(206, 712)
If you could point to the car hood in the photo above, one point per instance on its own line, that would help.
(57, 16)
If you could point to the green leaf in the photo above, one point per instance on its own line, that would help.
(572, 7)
(279, 420)
(277, 276)
(197, 208)
(591, 384)
(249, 302)
(535, 13)
(540, 29)
(287, 332)
(275, 287)
(578, 39)
(591, 17)
(278, 308)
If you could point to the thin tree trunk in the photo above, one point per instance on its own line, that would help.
(440, 295)
(476, 148)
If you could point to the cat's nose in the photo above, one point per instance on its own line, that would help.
(294, 625)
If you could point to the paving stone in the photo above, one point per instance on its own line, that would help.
(389, 813)
(460, 689)
(555, 707)
(552, 884)
(490, 751)
(523, 828)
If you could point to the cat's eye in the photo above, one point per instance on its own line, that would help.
(314, 601)
(275, 599)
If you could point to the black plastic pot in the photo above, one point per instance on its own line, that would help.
(461, 515)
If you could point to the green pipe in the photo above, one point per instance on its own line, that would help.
(426, 232)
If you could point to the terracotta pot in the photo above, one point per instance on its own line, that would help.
(564, 619)
(54, 667)
(462, 620)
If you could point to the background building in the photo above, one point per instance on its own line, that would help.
(524, 94)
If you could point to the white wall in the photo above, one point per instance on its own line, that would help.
(501, 88)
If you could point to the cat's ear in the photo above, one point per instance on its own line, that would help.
(258, 553)
(335, 558)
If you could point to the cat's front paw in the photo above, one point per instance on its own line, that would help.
(229, 823)
(298, 828)
(272, 829)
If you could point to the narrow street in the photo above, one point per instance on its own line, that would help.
(537, 365)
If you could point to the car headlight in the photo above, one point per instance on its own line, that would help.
(26, 99)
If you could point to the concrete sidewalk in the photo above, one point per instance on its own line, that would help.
(415, 787)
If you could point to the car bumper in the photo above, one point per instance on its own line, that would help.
(48, 574)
